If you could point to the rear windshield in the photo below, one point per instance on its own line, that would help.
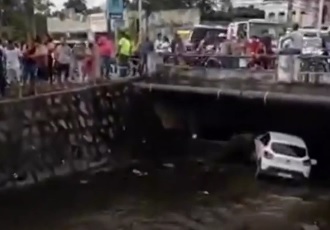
(288, 150)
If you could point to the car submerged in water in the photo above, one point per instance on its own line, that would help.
(282, 155)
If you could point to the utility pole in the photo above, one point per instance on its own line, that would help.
(1, 17)
(290, 15)
(320, 17)
(30, 22)
(140, 13)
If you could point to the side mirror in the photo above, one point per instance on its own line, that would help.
(313, 162)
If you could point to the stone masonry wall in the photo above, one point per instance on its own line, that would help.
(60, 133)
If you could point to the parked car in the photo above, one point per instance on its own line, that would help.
(282, 155)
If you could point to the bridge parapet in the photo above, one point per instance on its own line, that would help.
(283, 68)
(308, 85)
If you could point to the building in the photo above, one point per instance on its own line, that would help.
(77, 26)
(305, 12)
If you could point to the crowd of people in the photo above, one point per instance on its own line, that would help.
(254, 51)
(44, 59)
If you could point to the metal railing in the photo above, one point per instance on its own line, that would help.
(307, 68)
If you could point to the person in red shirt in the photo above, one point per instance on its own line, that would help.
(255, 49)
(253, 45)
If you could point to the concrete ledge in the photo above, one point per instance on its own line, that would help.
(265, 96)
(213, 73)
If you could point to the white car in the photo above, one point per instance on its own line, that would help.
(282, 155)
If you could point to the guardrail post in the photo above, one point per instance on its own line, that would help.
(153, 59)
(285, 68)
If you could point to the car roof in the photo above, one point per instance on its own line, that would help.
(287, 138)
(210, 26)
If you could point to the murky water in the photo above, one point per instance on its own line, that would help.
(188, 194)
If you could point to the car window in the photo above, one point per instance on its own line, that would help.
(242, 30)
(288, 150)
(265, 139)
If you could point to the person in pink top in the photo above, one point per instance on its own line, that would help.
(106, 49)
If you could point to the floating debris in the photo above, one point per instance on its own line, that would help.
(169, 165)
(205, 192)
(83, 181)
(139, 173)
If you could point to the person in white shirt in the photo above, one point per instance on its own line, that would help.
(166, 45)
(13, 65)
(297, 40)
(158, 43)
(63, 57)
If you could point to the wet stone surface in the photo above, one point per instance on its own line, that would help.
(60, 133)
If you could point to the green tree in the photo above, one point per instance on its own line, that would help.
(79, 6)
(43, 6)
(94, 10)
(19, 18)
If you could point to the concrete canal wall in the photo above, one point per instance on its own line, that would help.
(63, 133)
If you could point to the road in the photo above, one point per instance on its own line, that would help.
(189, 194)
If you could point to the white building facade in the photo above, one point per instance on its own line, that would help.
(305, 12)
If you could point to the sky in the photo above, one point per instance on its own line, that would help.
(90, 3)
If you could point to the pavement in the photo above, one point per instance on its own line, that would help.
(19, 92)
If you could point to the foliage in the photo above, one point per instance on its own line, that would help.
(235, 13)
(79, 6)
(22, 18)
(94, 10)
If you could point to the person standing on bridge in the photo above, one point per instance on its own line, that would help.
(48, 41)
(79, 52)
(124, 52)
(13, 64)
(158, 43)
(41, 58)
(63, 56)
(29, 64)
(106, 51)
(296, 38)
